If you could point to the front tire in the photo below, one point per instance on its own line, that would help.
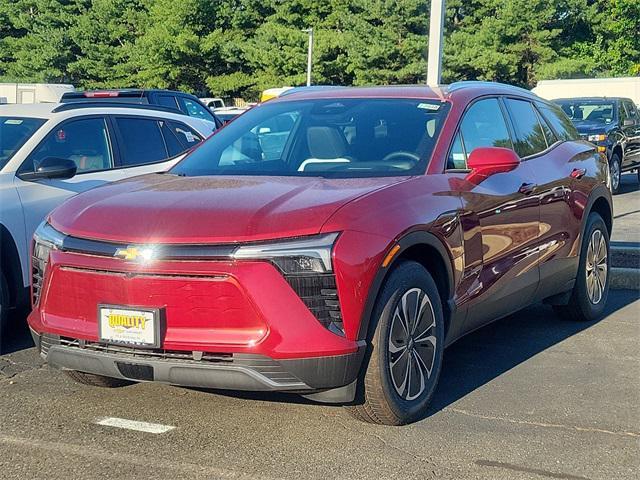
(615, 172)
(97, 380)
(402, 367)
(589, 296)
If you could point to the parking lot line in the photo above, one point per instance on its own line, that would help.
(134, 425)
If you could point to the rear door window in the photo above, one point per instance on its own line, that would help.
(167, 101)
(530, 138)
(85, 141)
(141, 141)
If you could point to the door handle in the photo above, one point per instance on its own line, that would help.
(527, 188)
(578, 173)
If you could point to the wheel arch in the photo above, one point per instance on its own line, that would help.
(426, 249)
(600, 202)
(11, 268)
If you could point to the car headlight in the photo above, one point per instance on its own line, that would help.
(45, 239)
(601, 137)
(306, 265)
(297, 256)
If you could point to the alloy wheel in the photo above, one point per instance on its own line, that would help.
(614, 170)
(412, 344)
(596, 267)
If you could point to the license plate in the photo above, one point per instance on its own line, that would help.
(129, 326)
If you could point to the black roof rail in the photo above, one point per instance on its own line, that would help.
(64, 107)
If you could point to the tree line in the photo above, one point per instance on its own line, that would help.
(236, 48)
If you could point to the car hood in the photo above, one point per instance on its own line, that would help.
(586, 127)
(162, 208)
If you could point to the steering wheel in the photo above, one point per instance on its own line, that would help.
(401, 154)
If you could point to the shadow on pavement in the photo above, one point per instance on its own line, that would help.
(495, 349)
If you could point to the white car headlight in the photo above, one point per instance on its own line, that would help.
(601, 137)
(45, 239)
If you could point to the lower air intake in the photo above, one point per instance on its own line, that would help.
(319, 293)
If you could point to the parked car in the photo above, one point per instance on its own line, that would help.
(226, 114)
(184, 103)
(49, 152)
(613, 124)
(391, 222)
(213, 103)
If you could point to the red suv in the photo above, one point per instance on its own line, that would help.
(330, 243)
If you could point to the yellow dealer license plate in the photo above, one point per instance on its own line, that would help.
(129, 326)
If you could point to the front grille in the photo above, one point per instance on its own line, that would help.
(319, 293)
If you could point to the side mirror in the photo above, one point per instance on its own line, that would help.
(51, 167)
(487, 161)
(629, 122)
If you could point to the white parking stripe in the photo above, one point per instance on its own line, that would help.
(134, 425)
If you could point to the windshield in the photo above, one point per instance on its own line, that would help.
(14, 132)
(579, 110)
(323, 137)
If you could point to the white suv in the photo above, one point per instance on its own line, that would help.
(49, 152)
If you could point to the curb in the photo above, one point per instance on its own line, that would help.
(625, 266)
(624, 278)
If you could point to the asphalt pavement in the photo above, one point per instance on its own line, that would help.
(532, 396)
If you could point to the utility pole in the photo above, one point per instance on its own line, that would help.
(436, 26)
(309, 55)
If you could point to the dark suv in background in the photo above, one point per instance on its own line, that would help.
(613, 124)
(181, 102)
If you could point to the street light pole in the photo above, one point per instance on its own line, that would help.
(309, 55)
(436, 26)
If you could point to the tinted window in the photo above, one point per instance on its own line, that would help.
(142, 141)
(167, 101)
(632, 111)
(178, 137)
(559, 121)
(529, 135)
(85, 141)
(323, 137)
(483, 125)
(14, 132)
(194, 109)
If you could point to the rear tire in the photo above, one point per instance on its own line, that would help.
(589, 296)
(403, 364)
(97, 380)
(615, 171)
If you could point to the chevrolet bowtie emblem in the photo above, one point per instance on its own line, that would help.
(129, 253)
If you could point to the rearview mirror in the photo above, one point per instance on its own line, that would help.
(629, 122)
(51, 167)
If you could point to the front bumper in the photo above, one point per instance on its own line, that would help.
(325, 379)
